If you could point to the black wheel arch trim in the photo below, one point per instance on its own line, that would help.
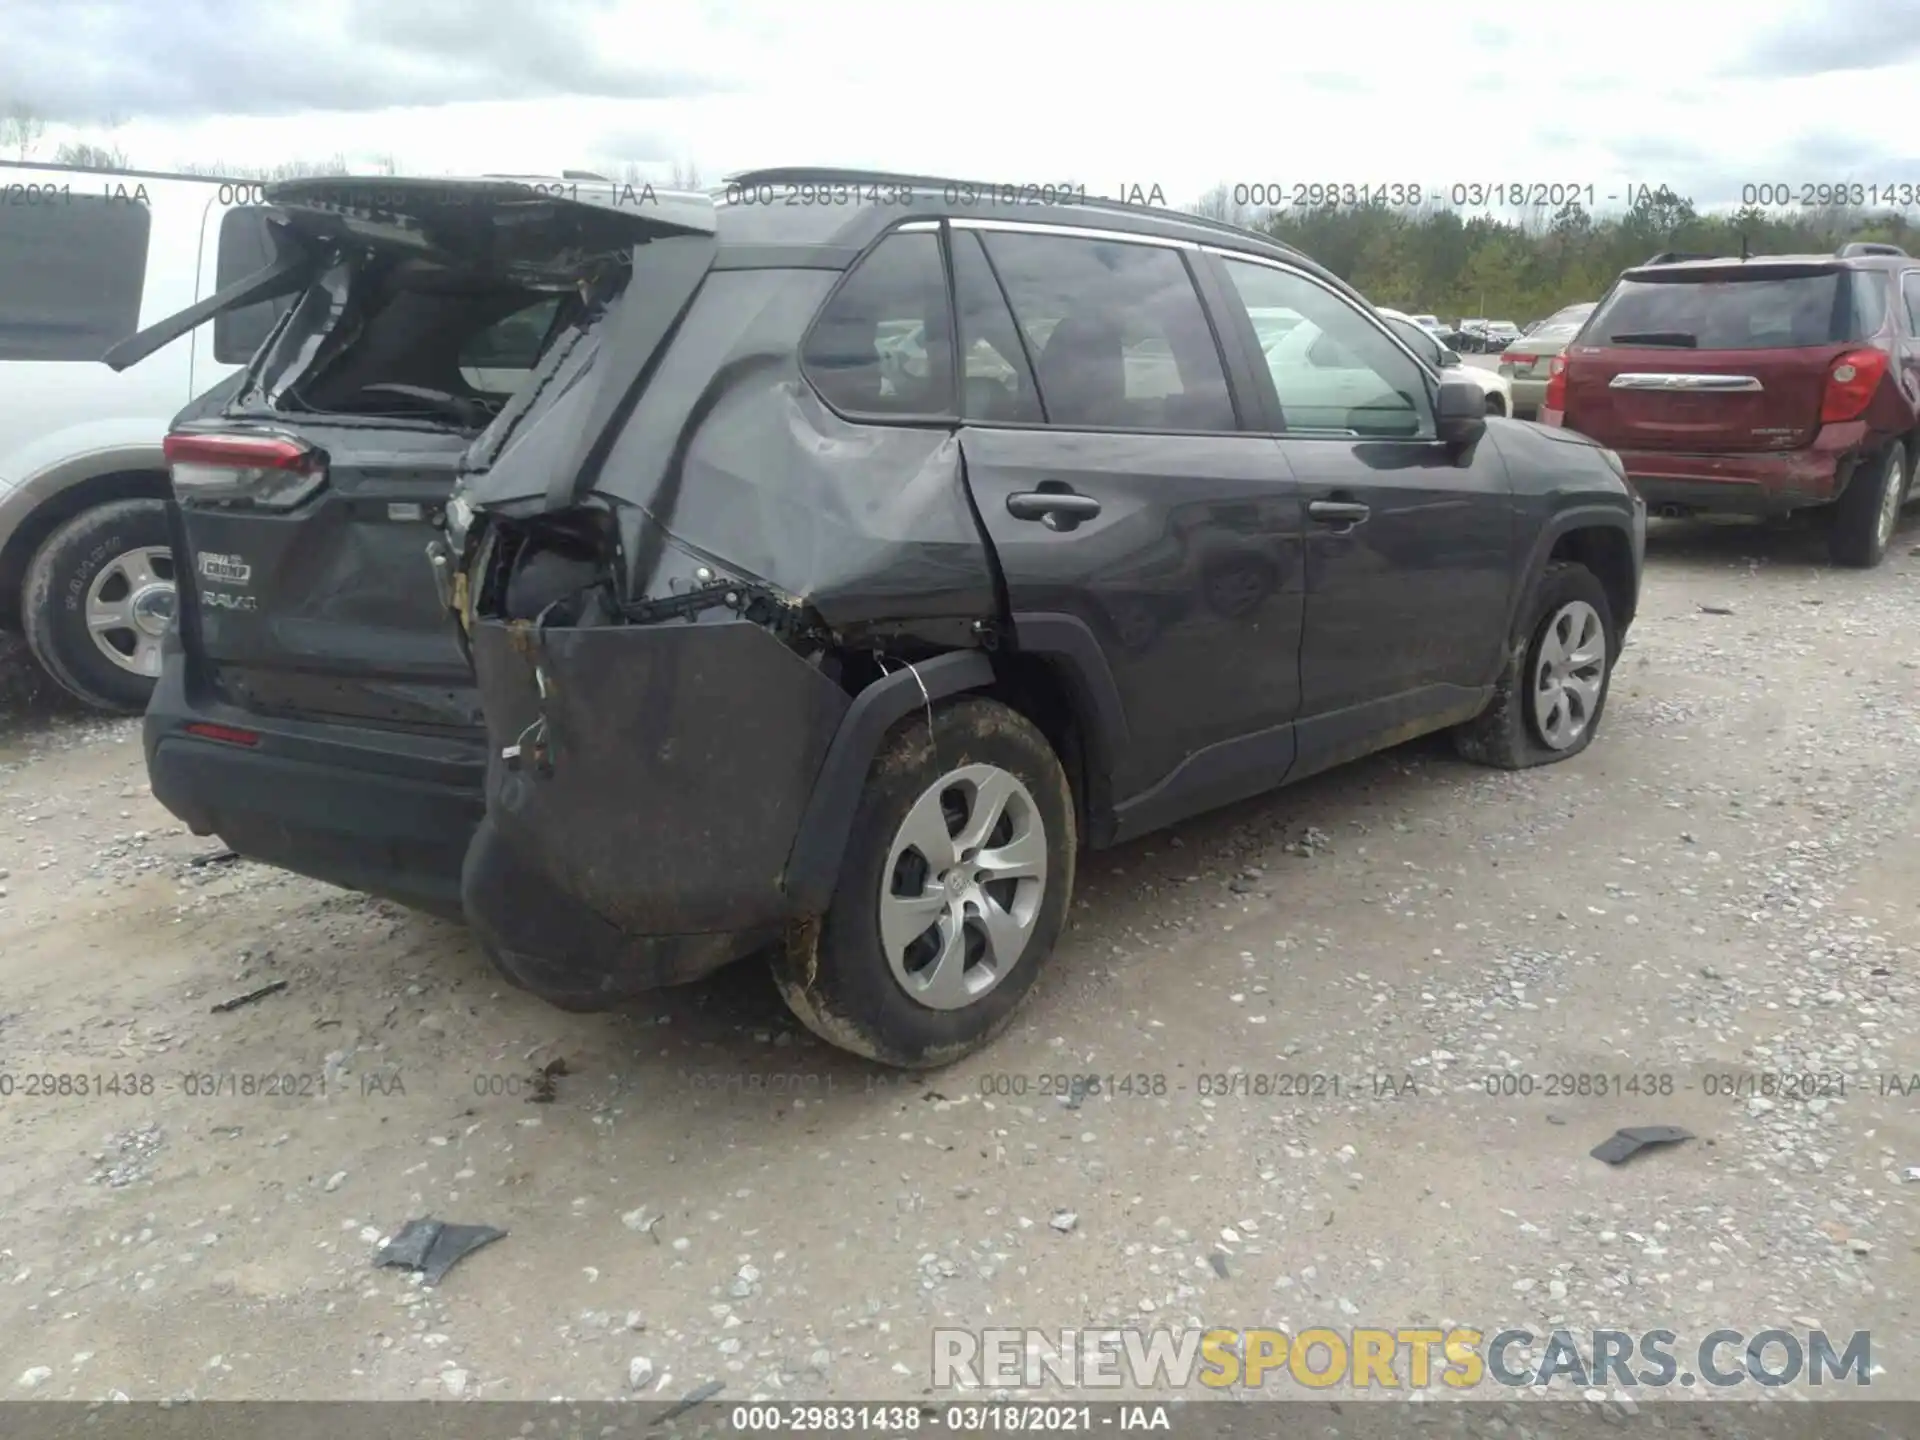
(1558, 525)
(826, 825)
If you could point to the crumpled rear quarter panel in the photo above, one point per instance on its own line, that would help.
(682, 757)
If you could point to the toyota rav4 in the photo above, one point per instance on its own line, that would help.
(846, 569)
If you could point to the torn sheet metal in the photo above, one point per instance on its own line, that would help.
(728, 453)
(670, 744)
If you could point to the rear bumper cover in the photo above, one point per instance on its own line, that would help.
(1746, 482)
(644, 835)
(384, 812)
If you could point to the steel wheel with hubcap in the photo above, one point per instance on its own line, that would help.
(1570, 666)
(1550, 694)
(952, 892)
(962, 886)
(130, 604)
(99, 597)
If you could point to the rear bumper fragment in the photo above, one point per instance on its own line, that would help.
(642, 836)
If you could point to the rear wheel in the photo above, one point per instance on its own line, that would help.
(1868, 511)
(955, 887)
(99, 595)
(1495, 405)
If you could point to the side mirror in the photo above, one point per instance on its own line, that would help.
(1460, 413)
(1448, 358)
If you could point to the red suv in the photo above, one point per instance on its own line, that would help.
(1758, 387)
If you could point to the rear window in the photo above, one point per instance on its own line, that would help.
(71, 277)
(245, 249)
(1750, 312)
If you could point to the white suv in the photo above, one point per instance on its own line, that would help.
(88, 257)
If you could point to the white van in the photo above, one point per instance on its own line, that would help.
(88, 257)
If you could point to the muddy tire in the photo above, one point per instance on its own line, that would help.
(1552, 691)
(115, 563)
(955, 886)
(1868, 511)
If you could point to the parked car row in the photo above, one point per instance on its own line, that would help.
(650, 586)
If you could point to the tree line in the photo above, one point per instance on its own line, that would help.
(1434, 260)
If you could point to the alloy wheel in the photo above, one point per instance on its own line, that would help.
(1893, 493)
(963, 885)
(1568, 673)
(130, 604)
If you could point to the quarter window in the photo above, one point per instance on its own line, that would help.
(72, 271)
(1910, 292)
(883, 345)
(1119, 336)
(1333, 371)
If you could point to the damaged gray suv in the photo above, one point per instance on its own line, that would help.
(878, 553)
(851, 553)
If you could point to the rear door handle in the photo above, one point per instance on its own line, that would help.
(1056, 509)
(1338, 512)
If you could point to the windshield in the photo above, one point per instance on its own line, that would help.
(1745, 312)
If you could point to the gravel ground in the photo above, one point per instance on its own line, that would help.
(1726, 884)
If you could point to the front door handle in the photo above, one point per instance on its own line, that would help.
(1345, 513)
(1056, 509)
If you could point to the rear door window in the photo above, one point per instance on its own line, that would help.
(1118, 331)
(245, 249)
(1763, 312)
(883, 345)
(72, 273)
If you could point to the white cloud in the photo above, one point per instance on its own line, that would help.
(1179, 96)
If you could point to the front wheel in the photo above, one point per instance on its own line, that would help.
(955, 887)
(1548, 701)
(98, 596)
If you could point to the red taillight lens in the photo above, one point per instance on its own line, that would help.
(1851, 384)
(273, 472)
(226, 733)
(1556, 398)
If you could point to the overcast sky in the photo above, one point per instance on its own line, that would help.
(1701, 95)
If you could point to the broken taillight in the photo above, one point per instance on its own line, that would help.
(1851, 384)
(265, 471)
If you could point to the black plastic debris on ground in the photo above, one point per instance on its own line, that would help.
(216, 857)
(1623, 1145)
(252, 995)
(434, 1247)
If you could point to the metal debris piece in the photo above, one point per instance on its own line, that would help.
(434, 1247)
(1219, 1263)
(1716, 610)
(216, 857)
(1623, 1145)
(252, 995)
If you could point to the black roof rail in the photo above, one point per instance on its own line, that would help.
(1870, 247)
(1680, 257)
(832, 175)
